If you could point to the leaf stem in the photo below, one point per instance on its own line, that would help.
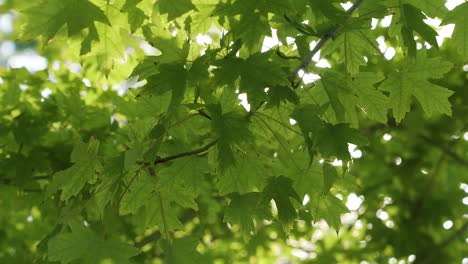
(163, 216)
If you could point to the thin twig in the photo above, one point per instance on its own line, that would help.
(198, 150)
(163, 216)
(185, 154)
(148, 239)
(127, 188)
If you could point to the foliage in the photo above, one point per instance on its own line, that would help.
(145, 154)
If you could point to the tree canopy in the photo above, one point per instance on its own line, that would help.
(235, 131)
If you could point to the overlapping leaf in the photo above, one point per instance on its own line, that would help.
(84, 170)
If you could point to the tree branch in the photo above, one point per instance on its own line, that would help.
(198, 150)
(328, 35)
(185, 154)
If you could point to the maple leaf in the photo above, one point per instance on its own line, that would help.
(278, 94)
(159, 212)
(433, 8)
(152, 202)
(355, 44)
(460, 34)
(248, 21)
(173, 49)
(73, 179)
(244, 209)
(136, 16)
(174, 8)
(413, 20)
(181, 251)
(256, 73)
(328, 208)
(332, 140)
(138, 194)
(251, 28)
(349, 93)
(308, 118)
(280, 190)
(188, 172)
(243, 176)
(412, 80)
(171, 77)
(85, 246)
(330, 175)
(47, 17)
(231, 128)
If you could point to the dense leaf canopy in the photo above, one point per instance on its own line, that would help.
(235, 131)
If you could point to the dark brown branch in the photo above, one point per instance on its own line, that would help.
(185, 154)
(148, 239)
(198, 150)
(328, 35)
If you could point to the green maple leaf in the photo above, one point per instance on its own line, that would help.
(247, 21)
(204, 19)
(73, 179)
(152, 202)
(251, 28)
(354, 44)
(136, 16)
(159, 212)
(176, 192)
(175, 8)
(330, 175)
(140, 191)
(377, 9)
(182, 251)
(257, 72)
(328, 8)
(171, 77)
(173, 49)
(152, 199)
(308, 119)
(231, 128)
(84, 246)
(328, 208)
(112, 44)
(189, 172)
(280, 189)
(413, 20)
(460, 34)
(347, 94)
(332, 140)
(433, 8)
(47, 17)
(244, 209)
(412, 80)
(281, 94)
(245, 174)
